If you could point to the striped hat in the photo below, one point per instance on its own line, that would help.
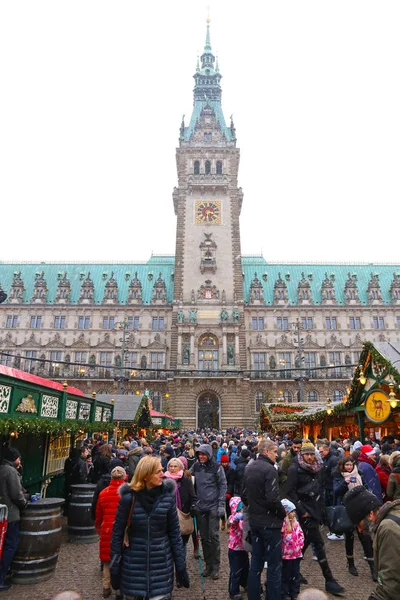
(307, 448)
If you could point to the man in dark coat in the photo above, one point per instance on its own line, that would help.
(11, 494)
(305, 490)
(285, 464)
(266, 514)
(241, 463)
(210, 486)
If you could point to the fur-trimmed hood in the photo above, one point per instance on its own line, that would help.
(168, 485)
(138, 450)
(385, 510)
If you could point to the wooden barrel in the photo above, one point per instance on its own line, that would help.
(39, 542)
(81, 528)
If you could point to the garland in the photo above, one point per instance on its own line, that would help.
(41, 426)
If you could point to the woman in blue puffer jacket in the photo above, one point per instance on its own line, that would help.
(145, 568)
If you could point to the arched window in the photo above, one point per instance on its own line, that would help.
(259, 401)
(287, 396)
(219, 167)
(312, 397)
(197, 167)
(337, 396)
(208, 353)
(207, 167)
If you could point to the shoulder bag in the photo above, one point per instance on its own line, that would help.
(338, 520)
(185, 522)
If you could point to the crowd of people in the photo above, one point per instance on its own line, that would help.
(271, 494)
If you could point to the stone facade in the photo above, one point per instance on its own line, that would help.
(210, 332)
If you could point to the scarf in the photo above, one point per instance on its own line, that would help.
(366, 459)
(354, 474)
(314, 467)
(174, 476)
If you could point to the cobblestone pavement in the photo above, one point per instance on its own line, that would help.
(78, 569)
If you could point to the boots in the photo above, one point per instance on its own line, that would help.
(374, 574)
(331, 585)
(223, 521)
(351, 566)
(196, 549)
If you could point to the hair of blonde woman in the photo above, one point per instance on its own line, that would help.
(105, 450)
(393, 458)
(146, 467)
(312, 594)
(178, 462)
(384, 460)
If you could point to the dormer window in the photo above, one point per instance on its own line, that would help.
(207, 136)
(208, 166)
(196, 167)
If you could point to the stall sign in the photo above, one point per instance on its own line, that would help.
(377, 407)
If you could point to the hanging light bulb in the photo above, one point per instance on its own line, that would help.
(362, 379)
(392, 396)
(328, 407)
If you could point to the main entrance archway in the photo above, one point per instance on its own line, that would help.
(208, 410)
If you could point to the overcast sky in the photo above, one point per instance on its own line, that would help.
(92, 96)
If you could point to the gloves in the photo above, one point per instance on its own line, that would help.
(182, 578)
(115, 580)
(238, 517)
(221, 512)
(228, 496)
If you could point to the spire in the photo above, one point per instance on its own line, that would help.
(207, 46)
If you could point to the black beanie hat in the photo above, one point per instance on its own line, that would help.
(11, 454)
(359, 502)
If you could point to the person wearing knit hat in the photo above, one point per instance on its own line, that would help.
(11, 494)
(366, 513)
(366, 467)
(305, 488)
(106, 510)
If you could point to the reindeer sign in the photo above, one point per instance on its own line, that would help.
(377, 407)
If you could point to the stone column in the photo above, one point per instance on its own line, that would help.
(237, 351)
(179, 353)
(224, 347)
(192, 346)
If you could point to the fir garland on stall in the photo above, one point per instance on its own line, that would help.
(41, 426)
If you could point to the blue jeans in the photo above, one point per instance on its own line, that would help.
(266, 547)
(10, 546)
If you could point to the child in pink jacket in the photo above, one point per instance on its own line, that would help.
(238, 557)
(292, 552)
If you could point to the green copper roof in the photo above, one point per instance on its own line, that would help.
(100, 274)
(207, 91)
(148, 273)
(315, 274)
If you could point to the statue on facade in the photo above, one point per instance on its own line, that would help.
(224, 315)
(193, 316)
(231, 354)
(143, 362)
(186, 355)
(236, 316)
(181, 316)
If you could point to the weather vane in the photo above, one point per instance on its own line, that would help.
(208, 14)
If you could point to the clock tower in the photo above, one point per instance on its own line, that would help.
(208, 294)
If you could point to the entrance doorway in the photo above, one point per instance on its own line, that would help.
(208, 414)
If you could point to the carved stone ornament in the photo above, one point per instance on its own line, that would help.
(63, 290)
(207, 291)
(256, 291)
(208, 260)
(280, 291)
(40, 289)
(87, 291)
(350, 290)
(111, 291)
(304, 291)
(159, 291)
(395, 289)
(374, 290)
(328, 295)
(135, 290)
(17, 288)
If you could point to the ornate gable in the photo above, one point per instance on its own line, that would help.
(8, 341)
(80, 342)
(350, 290)
(30, 342)
(159, 291)
(87, 291)
(105, 343)
(135, 291)
(17, 289)
(328, 295)
(40, 290)
(304, 291)
(256, 291)
(284, 343)
(55, 342)
(374, 290)
(335, 344)
(111, 291)
(132, 343)
(260, 342)
(63, 295)
(280, 291)
(395, 289)
(309, 343)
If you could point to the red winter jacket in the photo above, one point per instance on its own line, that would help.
(106, 509)
(383, 474)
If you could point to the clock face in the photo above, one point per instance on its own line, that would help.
(208, 212)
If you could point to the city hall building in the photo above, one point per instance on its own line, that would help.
(209, 332)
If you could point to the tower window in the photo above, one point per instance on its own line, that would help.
(219, 167)
(207, 137)
(197, 167)
(207, 167)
